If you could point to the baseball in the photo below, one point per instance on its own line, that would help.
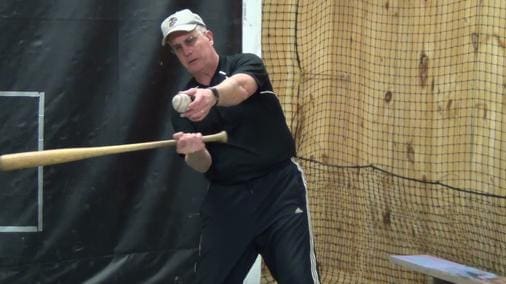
(180, 102)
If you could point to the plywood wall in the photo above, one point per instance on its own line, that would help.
(398, 109)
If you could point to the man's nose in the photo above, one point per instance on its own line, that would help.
(187, 50)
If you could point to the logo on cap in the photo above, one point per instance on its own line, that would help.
(172, 21)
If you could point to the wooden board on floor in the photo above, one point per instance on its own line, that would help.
(447, 270)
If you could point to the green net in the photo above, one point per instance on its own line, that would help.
(399, 113)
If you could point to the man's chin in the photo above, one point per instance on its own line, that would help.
(193, 68)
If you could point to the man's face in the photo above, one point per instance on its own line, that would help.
(193, 49)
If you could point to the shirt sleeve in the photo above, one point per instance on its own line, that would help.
(252, 65)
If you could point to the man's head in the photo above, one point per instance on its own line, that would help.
(191, 41)
(180, 21)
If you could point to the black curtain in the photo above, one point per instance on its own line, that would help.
(106, 80)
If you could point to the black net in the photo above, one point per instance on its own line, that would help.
(399, 112)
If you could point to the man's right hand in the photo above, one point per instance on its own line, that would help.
(193, 147)
(188, 143)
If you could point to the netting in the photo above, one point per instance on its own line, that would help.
(399, 113)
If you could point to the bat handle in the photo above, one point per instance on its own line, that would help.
(221, 137)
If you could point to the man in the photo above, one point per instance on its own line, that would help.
(257, 198)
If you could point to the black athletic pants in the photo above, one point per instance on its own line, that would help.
(267, 216)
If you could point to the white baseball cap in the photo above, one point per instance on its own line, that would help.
(183, 20)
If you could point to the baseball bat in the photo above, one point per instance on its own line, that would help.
(23, 160)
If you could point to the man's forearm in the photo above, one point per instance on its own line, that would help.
(235, 89)
(199, 161)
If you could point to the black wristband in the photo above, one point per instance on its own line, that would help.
(216, 94)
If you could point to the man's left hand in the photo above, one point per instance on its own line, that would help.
(202, 102)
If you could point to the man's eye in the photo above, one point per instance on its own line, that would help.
(190, 40)
(176, 48)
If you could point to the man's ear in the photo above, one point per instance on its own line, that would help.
(209, 34)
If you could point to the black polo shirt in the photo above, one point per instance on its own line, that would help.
(258, 137)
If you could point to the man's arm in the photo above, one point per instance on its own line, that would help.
(199, 161)
(231, 91)
(194, 149)
(235, 89)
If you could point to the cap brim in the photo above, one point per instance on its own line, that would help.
(182, 28)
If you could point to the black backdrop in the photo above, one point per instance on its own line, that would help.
(126, 218)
